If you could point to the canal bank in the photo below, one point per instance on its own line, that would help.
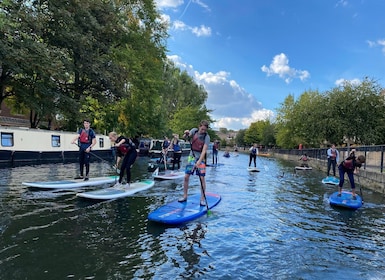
(369, 176)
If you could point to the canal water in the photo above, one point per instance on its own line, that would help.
(269, 225)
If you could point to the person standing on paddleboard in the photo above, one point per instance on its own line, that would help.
(126, 149)
(253, 154)
(333, 158)
(86, 140)
(200, 141)
(177, 151)
(350, 166)
(215, 151)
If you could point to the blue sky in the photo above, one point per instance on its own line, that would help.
(251, 54)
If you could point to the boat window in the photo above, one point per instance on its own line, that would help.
(6, 139)
(101, 142)
(55, 140)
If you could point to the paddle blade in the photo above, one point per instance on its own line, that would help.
(156, 172)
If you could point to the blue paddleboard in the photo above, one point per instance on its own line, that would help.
(175, 213)
(345, 200)
(330, 180)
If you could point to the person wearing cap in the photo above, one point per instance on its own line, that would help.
(86, 141)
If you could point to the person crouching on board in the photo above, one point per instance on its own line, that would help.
(200, 140)
(253, 154)
(126, 149)
(350, 166)
(304, 158)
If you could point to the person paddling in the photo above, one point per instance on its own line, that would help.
(350, 166)
(200, 141)
(126, 149)
(86, 141)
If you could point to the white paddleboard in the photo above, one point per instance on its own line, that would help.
(303, 168)
(252, 169)
(117, 192)
(70, 184)
(169, 175)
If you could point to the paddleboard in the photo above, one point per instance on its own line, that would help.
(330, 180)
(303, 168)
(70, 184)
(345, 200)
(169, 175)
(214, 165)
(175, 213)
(252, 169)
(117, 192)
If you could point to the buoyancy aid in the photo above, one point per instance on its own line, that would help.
(348, 163)
(197, 143)
(334, 154)
(85, 137)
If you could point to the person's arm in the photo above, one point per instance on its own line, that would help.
(75, 138)
(203, 155)
(329, 153)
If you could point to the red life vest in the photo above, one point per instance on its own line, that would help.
(348, 164)
(84, 137)
(124, 148)
(197, 144)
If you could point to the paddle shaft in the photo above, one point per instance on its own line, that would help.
(95, 155)
(362, 198)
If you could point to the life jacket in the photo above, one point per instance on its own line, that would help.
(348, 163)
(197, 144)
(126, 146)
(334, 154)
(304, 158)
(176, 146)
(85, 137)
(215, 147)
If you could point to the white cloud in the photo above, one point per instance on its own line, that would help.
(164, 4)
(233, 107)
(380, 43)
(341, 82)
(201, 31)
(280, 66)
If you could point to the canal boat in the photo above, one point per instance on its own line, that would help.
(28, 146)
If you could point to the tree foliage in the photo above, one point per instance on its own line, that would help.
(104, 60)
(351, 113)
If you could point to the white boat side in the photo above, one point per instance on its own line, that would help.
(40, 140)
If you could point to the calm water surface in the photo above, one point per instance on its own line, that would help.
(269, 225)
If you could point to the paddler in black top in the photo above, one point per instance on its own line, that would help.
(126, 149)
(350, 166)
(87, 140)
(200, 141)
